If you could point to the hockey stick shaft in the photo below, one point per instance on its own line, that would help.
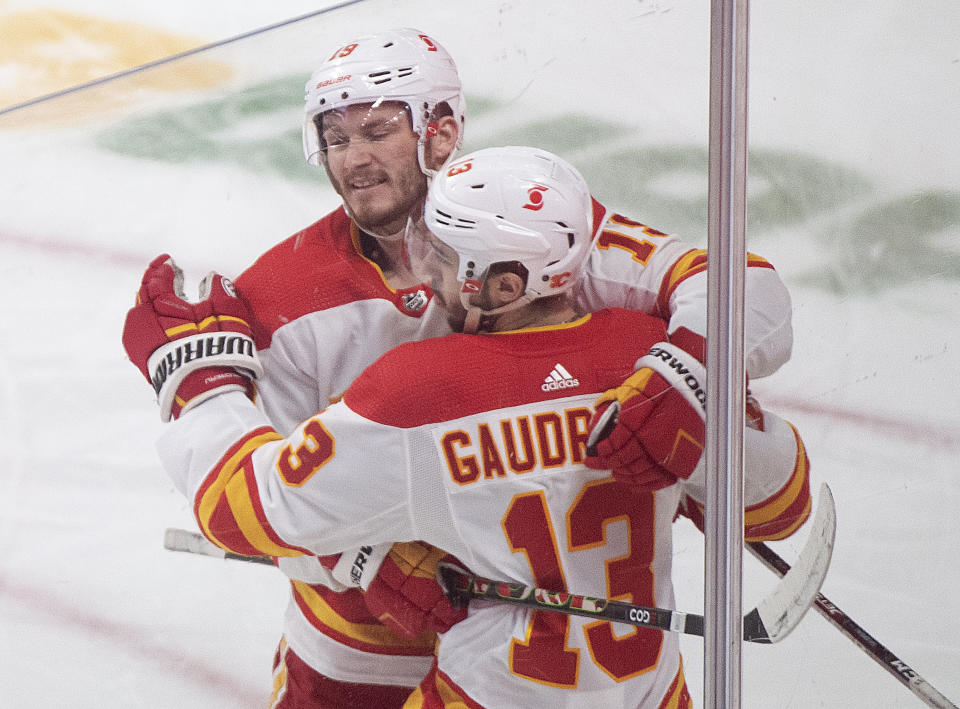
(460, 584)
(462, 587)
(772, 620)
(860, 637)
(196, 543)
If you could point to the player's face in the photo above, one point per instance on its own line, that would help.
(371, 158)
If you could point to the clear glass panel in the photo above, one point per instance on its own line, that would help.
(854, 197)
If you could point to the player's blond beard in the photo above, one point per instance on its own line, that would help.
(409, 182)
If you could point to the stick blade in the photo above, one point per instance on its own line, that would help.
(780, 612)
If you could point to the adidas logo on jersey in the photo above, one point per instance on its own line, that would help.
(559, 378)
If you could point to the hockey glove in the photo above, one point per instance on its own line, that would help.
(650, 430)
(405, 594)
(189, 351)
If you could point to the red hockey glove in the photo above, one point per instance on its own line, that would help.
(650, 430)
(189, 351)
(405, 594)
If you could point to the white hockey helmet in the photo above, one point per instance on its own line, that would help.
(512, 205)
(396, 65)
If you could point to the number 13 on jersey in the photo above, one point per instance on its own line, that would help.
(544, 655)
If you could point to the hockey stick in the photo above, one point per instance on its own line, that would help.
(860, 637)
(771, 621)
(462, 587)
(196, 543)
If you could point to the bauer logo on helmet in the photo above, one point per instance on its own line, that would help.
(331, 82)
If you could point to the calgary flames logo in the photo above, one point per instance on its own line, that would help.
(535, 198)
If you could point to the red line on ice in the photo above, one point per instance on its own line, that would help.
(187, 667)
(902, 428)
(59, 247)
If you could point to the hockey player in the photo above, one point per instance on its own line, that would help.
(383, 113)
(473, 444)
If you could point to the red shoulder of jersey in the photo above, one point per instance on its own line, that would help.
(599, 214)
(318, 268)
(445, 378)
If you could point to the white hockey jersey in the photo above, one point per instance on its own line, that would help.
(326, 313)
(467, 443)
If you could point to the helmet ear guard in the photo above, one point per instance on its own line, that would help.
(403, 65)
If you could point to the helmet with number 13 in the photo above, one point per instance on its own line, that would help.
(511, 208)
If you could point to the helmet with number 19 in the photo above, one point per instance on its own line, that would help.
(402, 65)
(515, 208)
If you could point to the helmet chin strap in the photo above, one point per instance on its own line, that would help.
(422, 157)
(388, 238)
(475, 313)
(472, 322)
(422, 153)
